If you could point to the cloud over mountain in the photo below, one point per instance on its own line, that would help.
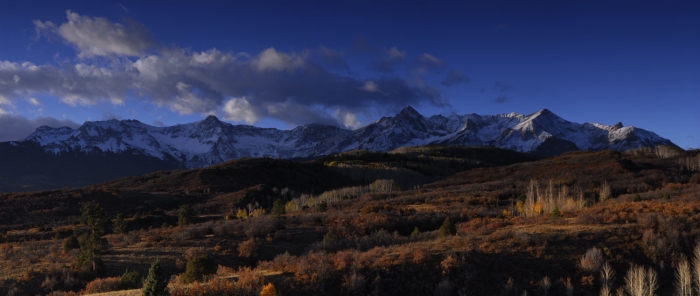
(98, 36)
(16, 128)
(293, 87)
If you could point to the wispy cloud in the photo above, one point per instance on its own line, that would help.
(296, 87)
(454, 77)
(98, 36)
(16, 128)
(389, 60)
(431, 62)
(503, 90)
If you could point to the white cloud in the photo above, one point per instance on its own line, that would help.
(390, 60)
(293, 87)
(395, 53)
(34, 102)
(4, 101)
(370, 86)
(198, 83)
(348, 119)
(76, 100)
(271, 59)
(239, 109)
(98, 36)
(188, 102)
(15, 128)
(431, 61)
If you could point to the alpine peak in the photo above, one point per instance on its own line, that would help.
(409, 111)
(211, 141)
(211, 118)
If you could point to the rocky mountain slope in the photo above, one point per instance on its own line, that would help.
(211, 141)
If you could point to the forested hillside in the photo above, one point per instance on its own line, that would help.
(414, 221)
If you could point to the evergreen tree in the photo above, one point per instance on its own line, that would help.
(637, 198)
(156, 284)
(186, 215)
(330, 239)
(131, 279)
(92, 243)
(448, 228)
(70, 243)
(322, 207)
(93, 217)
(198, 268)
(556, 213)
(119, 225)
(278, 208)
(415, 233)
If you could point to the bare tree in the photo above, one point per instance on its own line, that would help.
(549, 204)
(532, 197)
(444, 288)
(620, 292)
(652, 282)
(592, 260)
(605, 191)
(545, 284)
(569, 287)
(684, 278)
(635, 283)
(696, 268)
(607, 275)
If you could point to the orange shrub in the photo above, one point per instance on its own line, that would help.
(247, 248)
(62, 293)
(420, 256)
(102, 285)
(214, 287)
(250, 281)
(268, 290)
(342, 260)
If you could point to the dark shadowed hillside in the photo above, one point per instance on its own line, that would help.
(25, 166)
(490, 222)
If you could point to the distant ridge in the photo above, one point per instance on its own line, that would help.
(212, 141)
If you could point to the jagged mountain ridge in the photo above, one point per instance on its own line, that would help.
(211, 141)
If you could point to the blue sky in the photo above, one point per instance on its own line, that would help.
(349, 62)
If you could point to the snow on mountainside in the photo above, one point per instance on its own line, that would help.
(211, 141)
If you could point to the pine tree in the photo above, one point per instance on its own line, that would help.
(448, 228)
(70, 243)
(93, 217)
(119, 225)
(278, 208)
(130, 279)
(186, 215)
(198, 268)
(415, 233)
(330, 239)
(556, 213)
(637, 198)
(92, 244)
(156, 283)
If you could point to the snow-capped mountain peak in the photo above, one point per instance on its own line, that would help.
(210, 140)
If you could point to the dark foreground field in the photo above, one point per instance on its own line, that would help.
(417, 221)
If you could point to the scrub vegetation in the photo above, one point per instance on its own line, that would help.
(415, 221)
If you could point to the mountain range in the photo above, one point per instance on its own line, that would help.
(212, 141)
(137, 147)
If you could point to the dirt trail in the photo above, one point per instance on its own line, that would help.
(134, 292)
(568, 228)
